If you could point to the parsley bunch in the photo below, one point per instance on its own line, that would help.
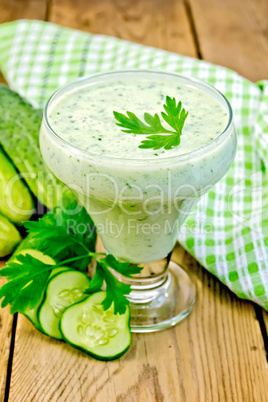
(27, 276)
(175, 117)
(64, 233)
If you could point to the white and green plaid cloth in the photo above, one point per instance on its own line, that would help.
(228, 231)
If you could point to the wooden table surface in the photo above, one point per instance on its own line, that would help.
(218, 353)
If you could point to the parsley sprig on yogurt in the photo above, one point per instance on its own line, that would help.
(158, 136)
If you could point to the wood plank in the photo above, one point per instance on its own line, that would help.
(233, 33)
(10, 11)
(231, 349)
(16, 9)
(151, 22)
(215, 354)
(265, 320)
(2, 79)
(6, 321)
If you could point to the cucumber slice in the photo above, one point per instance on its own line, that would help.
(32, 315)
(102, 334)
(63, 290)
(39, 255)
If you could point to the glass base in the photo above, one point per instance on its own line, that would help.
(162, 303)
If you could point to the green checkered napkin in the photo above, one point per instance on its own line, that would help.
(228, 230)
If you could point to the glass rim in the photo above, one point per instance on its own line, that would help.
(191, 81)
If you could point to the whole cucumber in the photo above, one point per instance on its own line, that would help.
(19, 136)
(16, 202)
(9, 236)
(27, 243)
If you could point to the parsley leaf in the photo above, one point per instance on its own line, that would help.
(63, 233)
(123, 268)
(96, 282)
(161, 141)
(115, 294)
(175, 117)
(115, 289)
(27, 277)
(134, 125)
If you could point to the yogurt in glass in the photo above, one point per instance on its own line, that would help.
(139, 198)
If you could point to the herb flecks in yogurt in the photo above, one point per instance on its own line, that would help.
(206, 117)
(175, 117)
(138, 198)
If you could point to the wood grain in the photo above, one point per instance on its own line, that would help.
(17, 9)
(2, 79)
(216, 354)
(156, 23)
(231, 345)
(6, 321)
(234, 33)
(265, 320)
(11, 10)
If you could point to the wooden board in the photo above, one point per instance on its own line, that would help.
(265, 321)
(233, 33)
(216, 354)
(156, 23)
(2, 80)
(18, 9)
(6, 321)
(233, 346)
(9, 11)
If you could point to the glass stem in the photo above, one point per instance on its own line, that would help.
(147, 285)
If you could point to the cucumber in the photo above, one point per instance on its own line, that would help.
(39, 255)
(101, 334)
(30, 242)
(63, 290)
(32, 315)
(9, 236)
(16, 202)
(19, 136)
(27, 244)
